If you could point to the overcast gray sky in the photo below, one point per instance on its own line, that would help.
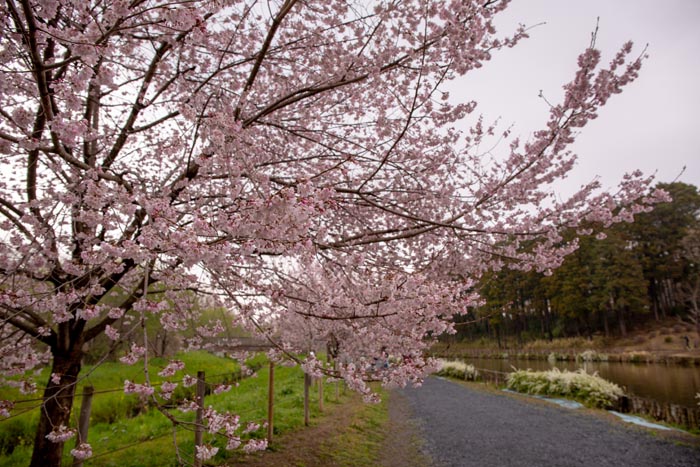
(653, 125)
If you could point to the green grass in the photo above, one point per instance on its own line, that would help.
(108, 407)
(150, 432)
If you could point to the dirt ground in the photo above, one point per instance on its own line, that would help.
(668, 337)
(401, 445)
(304, 447)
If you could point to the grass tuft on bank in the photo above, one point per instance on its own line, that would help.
(457, 369)
(591, 390)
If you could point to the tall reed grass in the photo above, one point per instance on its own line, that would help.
(457, 369)
(590, 389)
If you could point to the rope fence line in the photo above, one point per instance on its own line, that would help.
(136, 443)
(201, 389)
(121, 389)
(22, 412)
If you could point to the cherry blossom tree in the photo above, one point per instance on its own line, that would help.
(298, 162)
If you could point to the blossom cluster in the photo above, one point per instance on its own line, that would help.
(137, 388)
(167, 388)
(205, 452)
(5, 408)
(82, 451)
(171, 368)
(255, 445)
(133, 355)
(60, 434)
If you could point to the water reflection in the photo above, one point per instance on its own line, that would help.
(666, 383)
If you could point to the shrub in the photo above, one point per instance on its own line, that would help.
(457, 369)
(592, 390)
(16, 432)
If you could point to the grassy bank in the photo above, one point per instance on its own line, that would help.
(125, 432)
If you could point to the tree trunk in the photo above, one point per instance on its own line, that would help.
(654, 296)
(606, 325)
(671, 291)
(620, 316)
(665, 299)
(56, 408)
(548, 320)
(621, 319)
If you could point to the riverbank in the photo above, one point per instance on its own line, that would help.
(668, 342)
(456, 351)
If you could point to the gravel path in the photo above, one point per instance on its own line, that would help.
(465, 427)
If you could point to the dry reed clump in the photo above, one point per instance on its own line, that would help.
(591, 356)
(457, 369)
(591, 390)
(638, 356)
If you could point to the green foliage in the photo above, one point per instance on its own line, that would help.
(605, 286)
(591, 390)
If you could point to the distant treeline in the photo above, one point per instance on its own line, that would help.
(646, 270)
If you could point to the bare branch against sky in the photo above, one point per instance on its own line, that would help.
(652, 126)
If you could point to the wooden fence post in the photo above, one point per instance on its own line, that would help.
(320, 394)
(337, 383)
(307, 383)
(84, 421)
(199, 427)
(270, 403)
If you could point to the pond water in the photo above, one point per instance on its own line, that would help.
(666, 383)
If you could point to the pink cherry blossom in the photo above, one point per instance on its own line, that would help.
(171, 368)
(83, 451)
(206, 452)
(133, 355)
(188, 381)
(167, 388)
(60, 434)
(137, 388)
(254, 445)
(6, 408)
(297, 169)
(221, 388)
